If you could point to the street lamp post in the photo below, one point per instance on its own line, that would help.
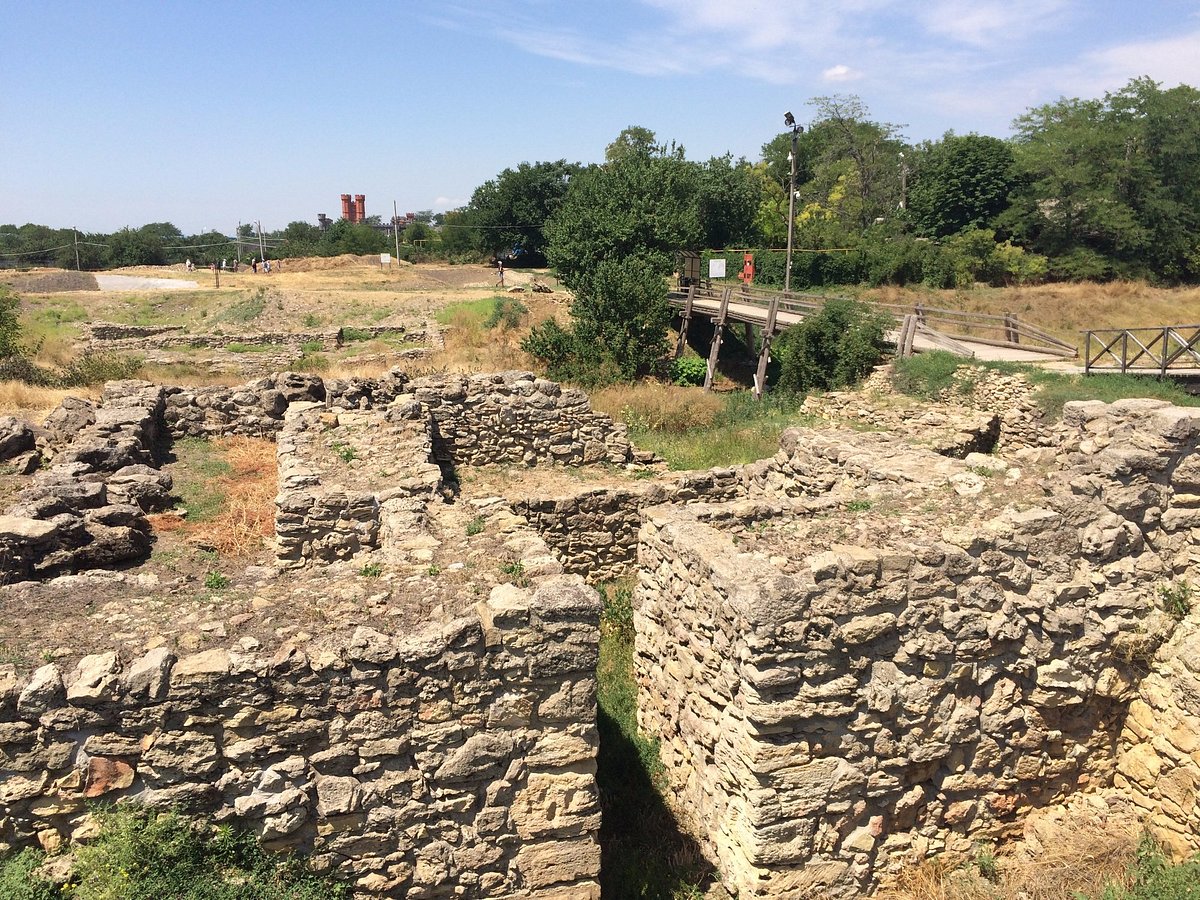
(790, 121)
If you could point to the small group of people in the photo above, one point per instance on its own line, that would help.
(266, 264)
(224, 265)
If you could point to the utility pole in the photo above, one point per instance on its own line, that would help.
(262, 254)
(237, 241)
(75, 231)
(796, 129)
(396, 229)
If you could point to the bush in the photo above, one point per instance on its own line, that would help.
(833, 348)
(17, 881)
(506, 314)
(143, 854)
(689, 371)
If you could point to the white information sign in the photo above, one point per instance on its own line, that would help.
(385, 259)
(716, 268)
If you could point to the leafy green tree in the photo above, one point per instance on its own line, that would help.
(300, 239)
(510, 212)
(635, 141)
(1112, 186)
(613, 242)
(730, 194)
(862, 154)
(458, 233)
(355, 238)
(128, 247)
(960, 182)
(416, 232)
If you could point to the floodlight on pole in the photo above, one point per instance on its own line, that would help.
(790, 121)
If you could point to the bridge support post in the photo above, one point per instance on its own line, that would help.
(764, 351)
(1087, 353)
(718, 331)
(1162, 371)
(686, 316)
(1011, 329)
(908, 333)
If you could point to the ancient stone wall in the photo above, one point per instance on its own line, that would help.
(516, 417)
(87, 508)
(1159, 767)
(456, 760)
(887, 668)
(343, 473)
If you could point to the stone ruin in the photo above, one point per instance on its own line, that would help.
(856, 653)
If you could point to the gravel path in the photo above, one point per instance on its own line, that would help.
(138, 283)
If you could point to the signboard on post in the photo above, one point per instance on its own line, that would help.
(716, 268)
(385, 259)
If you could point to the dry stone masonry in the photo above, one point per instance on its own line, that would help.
(856, 653)
(871, 669)
(456, 760)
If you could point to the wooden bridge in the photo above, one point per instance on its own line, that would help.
(918, 327)
(1162, 350)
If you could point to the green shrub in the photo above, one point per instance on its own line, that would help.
(832, 348)
(17, 881)
(97, 368)
(1154, 877)
(311, 347)
(1177, 599)
(356, 335)
(215, 581)
(689, 371)
(925, 375)
(506, 314)
(143, 854)
(475, 526)
(371, 570)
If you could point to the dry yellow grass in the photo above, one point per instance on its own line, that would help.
(247, 516)
(1065, 309)
(659, 407)
(1071, 859)
(33, 404)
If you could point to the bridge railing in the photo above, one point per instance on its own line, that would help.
(1142, 351)
(1006, 330)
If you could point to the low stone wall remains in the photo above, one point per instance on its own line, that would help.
(878, 673)
(456, 760)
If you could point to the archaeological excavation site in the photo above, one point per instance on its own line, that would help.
(906, 634)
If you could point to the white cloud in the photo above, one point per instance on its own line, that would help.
(841, 73)
(441, 204)
(981, 22)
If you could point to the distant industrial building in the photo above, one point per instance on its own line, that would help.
(354, 210)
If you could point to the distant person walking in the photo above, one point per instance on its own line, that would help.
(267, 266)
(500, 265)
(188, 264)
(254, 264)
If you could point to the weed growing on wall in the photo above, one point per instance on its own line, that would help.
(143, 854)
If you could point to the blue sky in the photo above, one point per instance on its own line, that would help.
(207, 114)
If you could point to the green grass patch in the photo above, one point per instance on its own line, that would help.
(311, 363)
(927, 374)
(200, 466)
(312, 347)
(644, 853)
(238, 347)
(743, 431)
(142, 854)
(246, 308)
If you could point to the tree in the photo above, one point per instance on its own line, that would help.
(300, 239)
(128, 247)
(634, 141)
(613, 242)
(1111, 185)
(510, 212)
(730, 196)
(960, 182)
(872, 151)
